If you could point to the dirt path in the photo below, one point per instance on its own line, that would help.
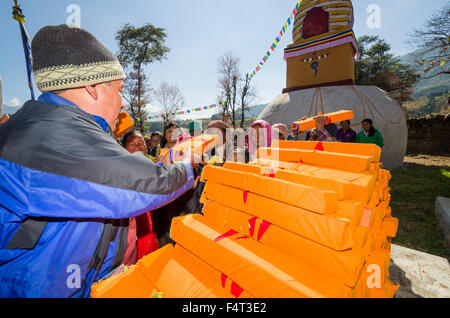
(425, 160)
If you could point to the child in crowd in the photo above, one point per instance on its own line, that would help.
(154, 148)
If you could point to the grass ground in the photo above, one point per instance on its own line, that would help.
(414, 189)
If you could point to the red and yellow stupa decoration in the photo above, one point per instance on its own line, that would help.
(324, 48)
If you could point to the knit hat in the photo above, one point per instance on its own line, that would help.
(194, 125)
(66, 56)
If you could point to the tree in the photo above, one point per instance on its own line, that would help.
(377, 66)
(248, 95)
(434, 40)
(136, 92)
(233, 89)
(170, 98)
(137, 48)
(228, 68)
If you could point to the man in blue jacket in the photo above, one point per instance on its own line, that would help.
(67, 188)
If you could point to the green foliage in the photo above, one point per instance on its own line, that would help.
(141, 46)
(137, 48)
(413, 195)
(377, 66)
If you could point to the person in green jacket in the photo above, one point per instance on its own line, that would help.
(369, 135)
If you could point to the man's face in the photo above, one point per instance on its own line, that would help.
(110, 97)
(136, 143)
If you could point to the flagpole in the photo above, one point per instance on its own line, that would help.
(19, 17)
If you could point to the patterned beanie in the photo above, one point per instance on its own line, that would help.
(66, 56)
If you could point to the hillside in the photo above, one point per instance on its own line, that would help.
(428, 86)
(429, 94)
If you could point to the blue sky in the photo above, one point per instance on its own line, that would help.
(199, 32)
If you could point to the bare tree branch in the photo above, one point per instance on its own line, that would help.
(434, 35)
(236, 90)
(170, 98)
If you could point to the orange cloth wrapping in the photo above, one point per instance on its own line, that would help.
(345, 265)
(310, 123)
(360, 236)
(363, 183)
(355, 163)
(390, 226)
(309, 198)
(124, 124)
(376, 275)
(176, 272)
(198, 145)
(129, 284)
(179, 274)
(351, 210)
(342, 188)
(258, 269)
(371, 150)
(327, 230)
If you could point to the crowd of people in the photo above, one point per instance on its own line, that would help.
(76, 202)
(330, 132)
(259, 133)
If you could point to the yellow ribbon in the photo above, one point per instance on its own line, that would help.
(17, 13)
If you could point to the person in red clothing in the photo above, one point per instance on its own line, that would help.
(141, 227)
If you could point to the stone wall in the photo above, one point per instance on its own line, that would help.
(429, 135)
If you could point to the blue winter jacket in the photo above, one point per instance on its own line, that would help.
(67, 191)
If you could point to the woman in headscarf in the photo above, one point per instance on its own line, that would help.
(218, 127)
(259, 135)
(282, 131)
(320, 132)
(141, 236)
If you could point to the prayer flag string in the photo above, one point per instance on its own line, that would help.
(190, 110)
(277, 40)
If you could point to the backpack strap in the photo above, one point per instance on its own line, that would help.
(109, 233)
(28, 234)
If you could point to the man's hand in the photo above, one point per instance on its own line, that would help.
(181, 156)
